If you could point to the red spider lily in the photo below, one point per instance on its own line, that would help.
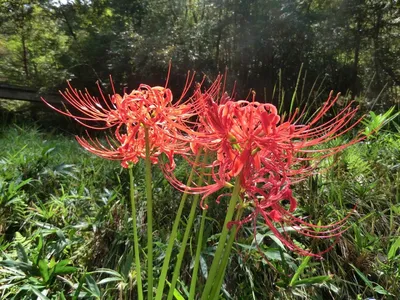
(147, 108)
(266, 199)
(251, 141)
(238, 131)
(265, 187)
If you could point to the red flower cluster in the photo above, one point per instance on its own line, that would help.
(249, 140)
(147, 109)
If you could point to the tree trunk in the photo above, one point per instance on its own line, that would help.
(376, 32)
(355, 85)
(218, 42)
(25, 56)
(71, 31)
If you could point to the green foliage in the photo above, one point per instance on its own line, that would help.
(375, 122)
(80, 211)
(31, 44)
(12, 204)
(29, 271)
(66, 227)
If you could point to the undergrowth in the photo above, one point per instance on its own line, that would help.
(65, 228)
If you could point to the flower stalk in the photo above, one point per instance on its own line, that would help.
(186, 235)
(135, 236)
(225, 259)
(149, 196)
(172, 237)
(193, 282)
(221, 243)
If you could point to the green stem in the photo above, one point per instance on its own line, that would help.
(135, 236)
(225, 259)
(184, 242)
(164, 270)
(221, 243)
(197, 257)
(149, 197)
(186, 235)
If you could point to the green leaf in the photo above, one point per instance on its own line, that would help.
(126, 266)
(62, 263)
(363, 277)
(393, 249)
(250, 276)
(92, 286)
(177, 295)
(109, 279)
(10, 272)
(44, 270)
(79, 288)
(52, 263)
(275, 254)
(46, 151)
(378, 288)
(23, 183)
(39, 248)
(21, 253)
(397, 126)
(300, 270)
(38, 293)
(18, 265)
(115, 276)
(203, 267)
(276, 240)
(65, 270)
(313, 280)
(108, 271)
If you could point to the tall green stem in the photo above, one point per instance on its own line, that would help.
(186, 235)
(225, 259)
(184, 241)
(149, 197)
(135, 236)
(221, 243)
(197, 257)
(173, 235)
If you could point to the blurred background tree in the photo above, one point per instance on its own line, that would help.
(353, 46)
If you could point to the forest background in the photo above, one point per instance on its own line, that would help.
(349, 46)
(63, 209)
